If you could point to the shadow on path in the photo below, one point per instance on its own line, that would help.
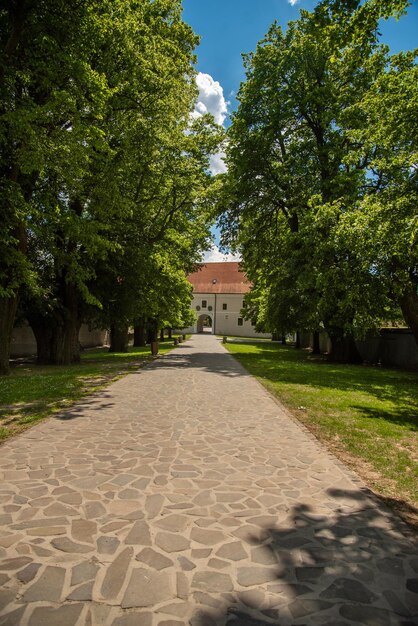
(351, 567)
(221, 363)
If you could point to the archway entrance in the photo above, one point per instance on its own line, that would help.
(204, 324)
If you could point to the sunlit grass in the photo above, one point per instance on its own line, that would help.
(367, 415)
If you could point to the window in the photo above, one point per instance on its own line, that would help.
(198, 308)
(240, 321)
(224, 307)
(204, 304)
(209, 308)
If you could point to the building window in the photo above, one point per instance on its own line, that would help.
(224, 307)
(204, 304)
(209, 308)
(198, 308)
(240, 321)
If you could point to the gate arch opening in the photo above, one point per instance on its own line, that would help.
(204, 324)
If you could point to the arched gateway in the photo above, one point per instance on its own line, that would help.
(204, 324)
(218, 298)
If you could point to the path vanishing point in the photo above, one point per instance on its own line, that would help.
(184, 494)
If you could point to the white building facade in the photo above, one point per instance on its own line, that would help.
(218, 300)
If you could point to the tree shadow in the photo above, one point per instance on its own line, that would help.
(221, 363)
(277, 364)
(96, 401)
(353, 565)
(405, 417)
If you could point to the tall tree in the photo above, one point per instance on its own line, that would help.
(384, 224)
(50, 100)
(294, 169)
(118, 160)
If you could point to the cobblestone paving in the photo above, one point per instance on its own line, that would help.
(185, 495)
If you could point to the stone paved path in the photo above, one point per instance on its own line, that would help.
(185, 495)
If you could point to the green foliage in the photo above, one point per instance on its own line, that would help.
(103, 171)
(51, 100)
(300, 164)
(384, 222)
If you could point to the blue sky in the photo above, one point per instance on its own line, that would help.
(230, 27)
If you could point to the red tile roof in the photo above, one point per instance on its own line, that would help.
(226, 277)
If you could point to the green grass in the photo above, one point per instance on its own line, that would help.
(368, 416)
(34, 392)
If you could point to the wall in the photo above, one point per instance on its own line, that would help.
(24, 343)
(92, 338)
(392, 347)
(224, 322)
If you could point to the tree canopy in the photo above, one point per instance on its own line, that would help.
(103, 171)
(307, 159)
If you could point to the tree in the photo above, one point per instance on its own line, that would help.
(294, 169)
(385, 222)
(120, 161)
(51, 99)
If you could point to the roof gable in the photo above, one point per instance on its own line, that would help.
(225, 277)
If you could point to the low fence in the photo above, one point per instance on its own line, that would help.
(391, 347)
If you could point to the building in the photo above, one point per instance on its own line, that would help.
(218, 299)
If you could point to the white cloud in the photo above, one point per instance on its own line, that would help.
(211, 98)
(217, 163)
(292, 2)
(214, 255)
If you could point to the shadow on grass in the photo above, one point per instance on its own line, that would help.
(351, 565)
(405, 417)
(279, 364)
(33, 392)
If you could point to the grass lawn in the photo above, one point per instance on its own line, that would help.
(368, 416)
(34, 392)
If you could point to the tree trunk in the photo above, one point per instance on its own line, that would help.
(66, 348)
(297, 340)
(56, 336)
(162, 338)
(275, 336)
(118, 338)
(8, 305)
(8, 308)
(139, 333)
(69, 345)
(152, 329)
(315, 343)
(170, 333)
(57, 346)
(44, 332)
(409, 306)
(343, 348)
